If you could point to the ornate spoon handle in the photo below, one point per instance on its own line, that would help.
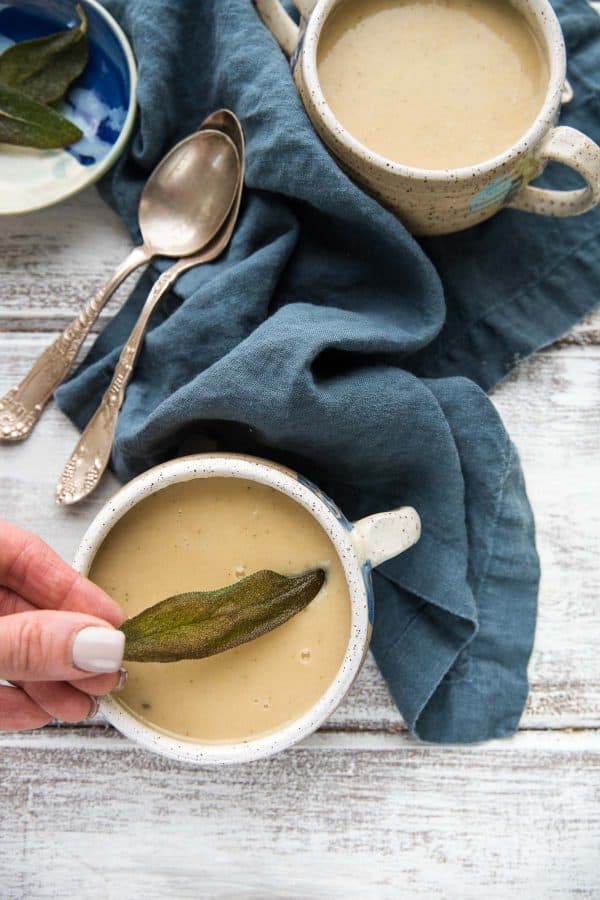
(90, 457)
(92, 452)
(22, 406)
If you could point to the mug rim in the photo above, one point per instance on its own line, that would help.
(338, 530)
(553, 45)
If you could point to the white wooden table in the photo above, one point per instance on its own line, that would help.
(359, 810)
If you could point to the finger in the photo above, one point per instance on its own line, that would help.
(46, 645)
(98, 685)
(61, 700)
(29, 567)
(11, 602)
(18, 712)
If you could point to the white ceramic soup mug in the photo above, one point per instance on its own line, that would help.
(439, 201)
(359, 545)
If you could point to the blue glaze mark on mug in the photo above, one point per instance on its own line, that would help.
(366, 574)
(505, 188)
(298, 51)
(335, 510)
(498, 193)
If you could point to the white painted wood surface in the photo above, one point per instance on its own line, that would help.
(359, 810)
(346, 816)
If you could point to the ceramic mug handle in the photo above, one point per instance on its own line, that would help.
(577, 151)
(567, 93)
(385, 535)
(282, 27)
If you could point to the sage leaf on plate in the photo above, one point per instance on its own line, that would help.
(30, 124)
(43, 68)
(203, 623)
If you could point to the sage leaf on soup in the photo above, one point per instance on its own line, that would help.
(43, 68)
(30, 124)
(202, 623)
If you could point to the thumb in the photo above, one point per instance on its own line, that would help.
(47, 645)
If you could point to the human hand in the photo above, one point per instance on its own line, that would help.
(57, 634)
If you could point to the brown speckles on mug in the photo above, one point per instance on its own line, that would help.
(442, 201)
(359, 547)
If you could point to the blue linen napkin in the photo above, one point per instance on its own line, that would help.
(327, 338)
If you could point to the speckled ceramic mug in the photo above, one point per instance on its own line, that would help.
(440, 201)
(359, 545)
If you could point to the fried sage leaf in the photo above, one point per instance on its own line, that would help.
(43, 68)
(202, 623)
(29, 124)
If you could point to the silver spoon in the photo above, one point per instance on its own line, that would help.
(184, 203)
(91, 455)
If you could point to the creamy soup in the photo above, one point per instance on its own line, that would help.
(432, 83)
(205, 534)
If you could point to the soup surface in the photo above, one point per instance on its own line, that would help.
(433, 84)
(204, 534)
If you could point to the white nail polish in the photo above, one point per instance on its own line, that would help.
(94, 707)
(123, 676)
(98, 649)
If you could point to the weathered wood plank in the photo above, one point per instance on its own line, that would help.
(54, 260)
(552, 409)
(583, 333)
(349, 816)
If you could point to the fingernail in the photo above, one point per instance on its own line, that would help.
(94, 707)
(123, 676)
(98, 649)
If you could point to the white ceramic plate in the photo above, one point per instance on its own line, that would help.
(101, 102)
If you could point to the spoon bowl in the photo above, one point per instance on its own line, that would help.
(189, 195)
(226, 121)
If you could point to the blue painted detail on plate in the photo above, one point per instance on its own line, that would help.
(327, 501)
(98, 100)
(366, 574)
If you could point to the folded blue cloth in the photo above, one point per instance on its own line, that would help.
(326, 337)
